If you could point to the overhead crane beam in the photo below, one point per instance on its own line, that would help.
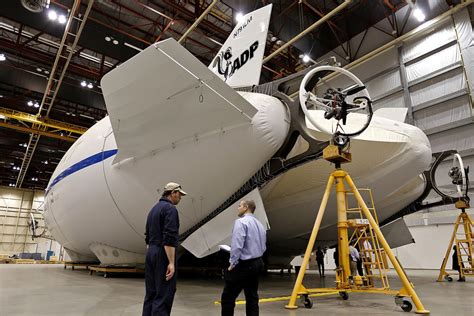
(36, 130)
(42, 123)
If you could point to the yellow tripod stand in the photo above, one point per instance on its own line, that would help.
(464, 245)
(334, 154)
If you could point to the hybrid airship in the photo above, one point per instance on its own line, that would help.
(223, 137)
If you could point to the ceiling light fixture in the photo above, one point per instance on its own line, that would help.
(115, 42)
(305, 58)
(36, 105)
(239, 17)
(30, 103)
(90, 86)
(62, 19)
(83, 83)
(108, 38)
(52, 15)
(2, 57)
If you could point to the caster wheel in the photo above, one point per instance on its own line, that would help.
(448, 278)
(406, 306)
(344, 295)
(308, 303)
(105, 275)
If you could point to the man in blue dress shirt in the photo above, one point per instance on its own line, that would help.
(162, 232)
(248, 246)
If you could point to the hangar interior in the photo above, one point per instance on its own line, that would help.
(50, 95)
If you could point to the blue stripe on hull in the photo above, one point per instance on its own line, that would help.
(89, 161)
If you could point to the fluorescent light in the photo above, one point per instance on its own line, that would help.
(305, 58)
(419, 15)
(131, 46)
(62, 19)
(87, 116)
(2, 57)
(52, 15)
(83, 83)
(239, 17)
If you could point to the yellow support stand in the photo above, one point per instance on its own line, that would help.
(343, 284)
(464, 245)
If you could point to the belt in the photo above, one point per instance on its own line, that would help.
(249, 260)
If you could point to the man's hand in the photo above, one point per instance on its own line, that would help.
(230, 268)
(169, 271)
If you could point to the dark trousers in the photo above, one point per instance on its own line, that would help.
(244, 276)
(321, 267)
(159, 292)
(359, 267)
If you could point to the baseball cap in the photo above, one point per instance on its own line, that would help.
(174, 187)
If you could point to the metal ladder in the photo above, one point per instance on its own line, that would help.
(465, 250)
(373, 256)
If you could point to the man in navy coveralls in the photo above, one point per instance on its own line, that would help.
(162, 231)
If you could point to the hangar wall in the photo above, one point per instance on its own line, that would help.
(15, 237)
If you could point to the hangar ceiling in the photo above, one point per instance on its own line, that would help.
(50, 78)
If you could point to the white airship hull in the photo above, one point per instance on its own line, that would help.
(100, 210)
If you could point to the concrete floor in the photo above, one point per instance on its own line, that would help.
(51, 290)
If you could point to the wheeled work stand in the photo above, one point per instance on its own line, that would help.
(345, 284)
(464, 246)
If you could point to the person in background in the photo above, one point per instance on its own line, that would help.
(320, 261)
(245, 264)
(353, 257)
(161, 237)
